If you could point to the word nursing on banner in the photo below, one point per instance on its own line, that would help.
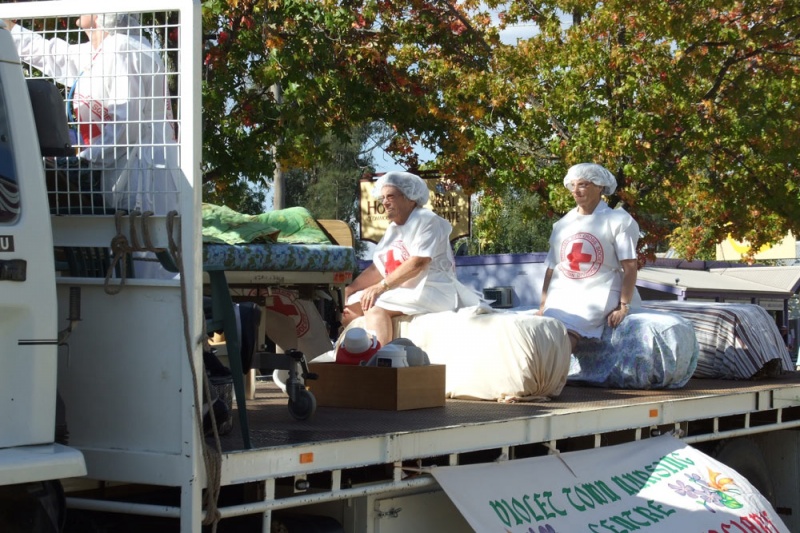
(654, 485)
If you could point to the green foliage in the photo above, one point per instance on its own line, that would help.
(242, 196)
(292, 76)
(511, 223)
(329, 189)
(692, 104)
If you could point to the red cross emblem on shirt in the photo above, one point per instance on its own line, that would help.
(285, 302)
(280, 305)
(391, 262)
(576, 256)
(575, 262)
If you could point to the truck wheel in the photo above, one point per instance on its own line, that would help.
(744, 456)
(36, 507)
(303, 405)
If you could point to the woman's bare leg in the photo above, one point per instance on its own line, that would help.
(573, 339)
(350, 313)
(379, 320)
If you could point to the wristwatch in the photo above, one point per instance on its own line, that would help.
(385, 285)
(627, 306)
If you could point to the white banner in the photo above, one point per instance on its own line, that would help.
(653, 485)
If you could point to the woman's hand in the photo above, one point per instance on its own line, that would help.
(370, 295)
(617, 315)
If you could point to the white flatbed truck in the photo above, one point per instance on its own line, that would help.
(128, 380)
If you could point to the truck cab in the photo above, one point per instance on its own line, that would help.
(29, 325)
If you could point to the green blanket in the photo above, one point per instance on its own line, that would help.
(293, 225)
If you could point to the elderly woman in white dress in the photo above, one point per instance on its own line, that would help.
(413, 270)
(591, 266)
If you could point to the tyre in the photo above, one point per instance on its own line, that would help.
(303, 405)
(744, 456)
(35, 507)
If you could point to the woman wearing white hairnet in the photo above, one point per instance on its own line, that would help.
(119, 101)
(413, 270)
(591, 266)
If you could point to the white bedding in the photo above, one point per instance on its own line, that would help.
(500, 355)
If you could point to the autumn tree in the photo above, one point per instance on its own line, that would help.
(329, 188)
(693, 105)
(284, 79)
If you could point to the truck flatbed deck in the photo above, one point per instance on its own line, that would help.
(353, 453)
(592, 409)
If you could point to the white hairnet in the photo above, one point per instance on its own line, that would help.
(116, 22)
(412, 186)
(592, 173)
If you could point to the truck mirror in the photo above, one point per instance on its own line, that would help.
(50, 118)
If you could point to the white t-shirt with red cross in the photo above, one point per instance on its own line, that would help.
(585, 254)
(424, 234)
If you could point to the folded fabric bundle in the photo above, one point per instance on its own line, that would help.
(293, 225)
(648, 350)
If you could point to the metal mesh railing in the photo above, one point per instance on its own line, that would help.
(119, 76)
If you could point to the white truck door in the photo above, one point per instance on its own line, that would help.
(28, 322)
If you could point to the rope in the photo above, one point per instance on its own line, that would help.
(132, 225)
(121, 248)
(146, 233)
(211, 458)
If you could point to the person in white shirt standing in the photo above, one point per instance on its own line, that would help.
(119, 102)
(591, 273)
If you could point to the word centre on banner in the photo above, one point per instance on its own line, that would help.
(653, 485)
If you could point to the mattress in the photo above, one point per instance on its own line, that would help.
(278, 257)
(737, 341)
(286, 240)
(491, 354)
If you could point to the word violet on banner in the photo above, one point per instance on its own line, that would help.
(653, 485)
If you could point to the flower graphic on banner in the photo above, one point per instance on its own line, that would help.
(715, 490)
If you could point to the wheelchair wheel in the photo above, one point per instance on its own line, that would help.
(303, 405)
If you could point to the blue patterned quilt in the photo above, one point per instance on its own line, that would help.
(286, 240)
(279, 257)
(649, 350)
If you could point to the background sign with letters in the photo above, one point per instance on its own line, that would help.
(447, 200)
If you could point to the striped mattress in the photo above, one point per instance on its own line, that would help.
(736, 340)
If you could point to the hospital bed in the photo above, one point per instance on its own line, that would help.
(242, 271)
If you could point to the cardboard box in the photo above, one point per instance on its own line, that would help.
(372, 387)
